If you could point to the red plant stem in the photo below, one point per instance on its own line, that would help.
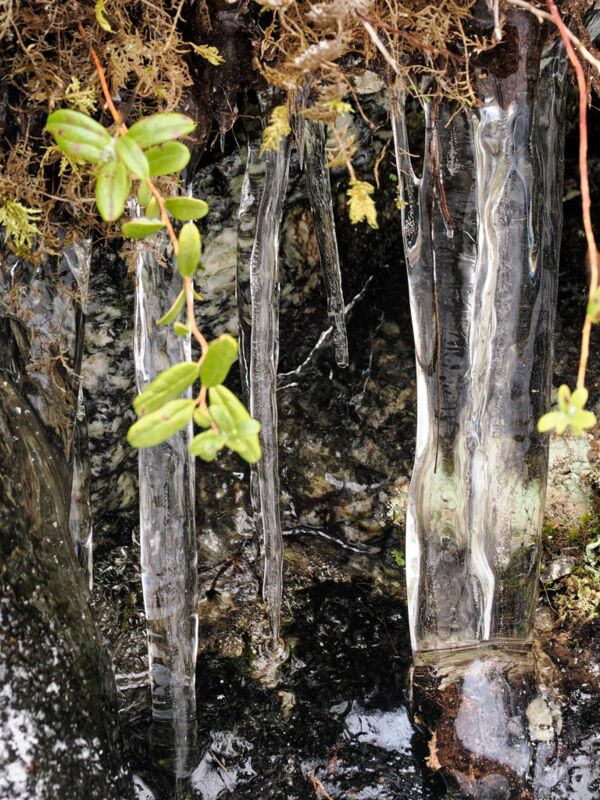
(103, 82)
(586, 203)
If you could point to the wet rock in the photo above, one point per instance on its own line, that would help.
(58, 727)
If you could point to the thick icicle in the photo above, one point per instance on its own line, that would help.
(482, 232)
(264, 293)
(319, 193)
(167, 533)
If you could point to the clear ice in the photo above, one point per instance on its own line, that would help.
(167, 533)
(481, 233)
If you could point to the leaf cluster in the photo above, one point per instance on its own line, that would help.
(570, 413)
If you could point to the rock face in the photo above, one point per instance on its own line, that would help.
(57, 696)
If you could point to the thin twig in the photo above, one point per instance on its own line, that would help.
(586, 203)
(103, 82)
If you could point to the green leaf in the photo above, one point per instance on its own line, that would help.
(168, 385)
(167, 158)
(248, 447)
(140, 228)
(160, 128)
(185, 208)
(101, 19)
(78, 151)
(579, 398)
(221, 395)
(132, 155)
(75, 134)
(179, 329)
(222, 418)
(218, 360)
(174, 311)
(206, 445)
(549, 421)
(144, 195)
(79, 136)
(112, 190)
(233, 418)
(202, 418)
(188, 257)
(159, 426)
(248, 428)
(593, 307)
(564, 398)
(570, 412)
(76, 120)
(581, 421)
(153, 209)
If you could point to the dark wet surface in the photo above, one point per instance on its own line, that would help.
(338, 713)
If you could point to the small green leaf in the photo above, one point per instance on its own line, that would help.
(179, 329)
(185, 208)
(112, 190)
(232, 417)
(593, 307)
(206, 445)
(160, 425)
(174, 311)
(202, 418)
(165, 387)
(222, 418)
(153, 210)
(248, 428)
(144, 195)
(78, 151)
(167, 158)
(550, 421)
(248, 447)
(218, 360)
(160, 128)
(76, 134)
(75, 119)
(79, 136)
(564, 398)
(188, 257)
(570, 412)
(101, 19)
(140, 228)
(132, 155)
(221, 395)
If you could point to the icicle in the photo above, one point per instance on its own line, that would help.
(78, 259)
(80, 511)
(252, 190)
(167, 533)
(319, 193)
(481, 230)
(264, 291)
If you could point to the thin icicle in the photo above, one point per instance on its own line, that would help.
(264, 290)
(167, 533)
(80, 510)
(78, 259)
(252, 190)
(319, 193)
